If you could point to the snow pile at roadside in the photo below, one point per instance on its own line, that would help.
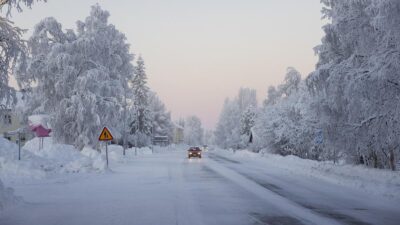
(98, 161)
(374, 181)
(140, 151)
(65, 158)
(7, 197)
(53, 158)
(31, 166)
(115, 153)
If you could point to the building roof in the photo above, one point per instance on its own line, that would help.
(39, 119)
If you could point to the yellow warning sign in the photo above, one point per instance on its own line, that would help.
(105, 135)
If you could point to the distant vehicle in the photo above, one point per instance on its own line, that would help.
(194, 152)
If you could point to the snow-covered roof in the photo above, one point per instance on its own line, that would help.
(39, 119)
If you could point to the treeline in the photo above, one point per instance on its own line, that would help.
(348, 108)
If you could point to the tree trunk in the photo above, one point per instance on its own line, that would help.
(392, 160)
(375, 158)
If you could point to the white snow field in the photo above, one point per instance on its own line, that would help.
(167, 188)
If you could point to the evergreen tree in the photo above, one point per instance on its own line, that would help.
(141, 126)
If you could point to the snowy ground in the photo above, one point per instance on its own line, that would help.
(222, 188)
(377, 182)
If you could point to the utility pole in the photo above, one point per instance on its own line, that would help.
(19, 145)
(124, 134)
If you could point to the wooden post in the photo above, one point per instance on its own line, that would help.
(107, 153)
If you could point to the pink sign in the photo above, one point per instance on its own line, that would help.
(40, 131)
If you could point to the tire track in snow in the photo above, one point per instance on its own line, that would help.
(297, 211)
(324, 211)
(185, 208)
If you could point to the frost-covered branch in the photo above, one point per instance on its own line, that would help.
(12, 48)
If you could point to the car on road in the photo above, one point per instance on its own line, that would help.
(194, 152)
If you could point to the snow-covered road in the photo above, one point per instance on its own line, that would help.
(166, 188)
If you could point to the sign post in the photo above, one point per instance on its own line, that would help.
(106, 136)
(19, 145)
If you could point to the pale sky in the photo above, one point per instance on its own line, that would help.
(198, 53)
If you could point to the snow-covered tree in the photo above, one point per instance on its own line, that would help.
(357, 80)
(162, 123)
(193, 131)
(246, 98)
(247, 123)
(79, 77)
(292, 81)
(273, 96)
(208, 138)
(16, 4)
(286, 124)
(141, 126)
(247, 120)
(12, 48)
(229, 129)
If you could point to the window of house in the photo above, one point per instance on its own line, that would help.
(23, 138)
(7, 119)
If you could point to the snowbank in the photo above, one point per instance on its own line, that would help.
(59, 158)
(8, 153)
(65, 158)
(378, 182)
(52, 159)
(30, 167)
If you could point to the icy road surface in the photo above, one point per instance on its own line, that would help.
(169, 189)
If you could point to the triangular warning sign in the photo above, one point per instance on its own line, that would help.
(105, 135)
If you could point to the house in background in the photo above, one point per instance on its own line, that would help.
(11, 123)
(178, 134)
